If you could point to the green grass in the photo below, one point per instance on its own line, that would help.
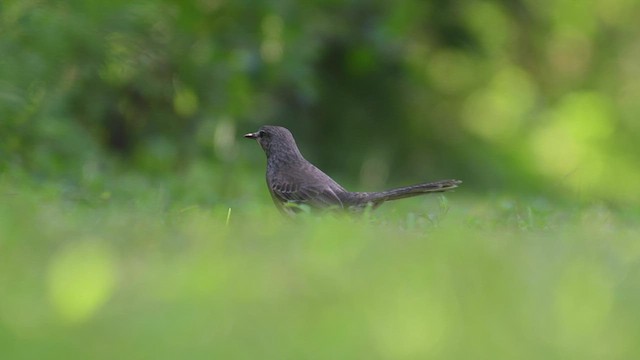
(110, 277)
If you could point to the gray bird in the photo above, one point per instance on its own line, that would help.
(294, 180)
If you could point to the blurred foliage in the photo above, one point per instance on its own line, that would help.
(120, 164)
(508, 95)
(489, 279)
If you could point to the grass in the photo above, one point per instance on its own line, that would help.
(106, 277)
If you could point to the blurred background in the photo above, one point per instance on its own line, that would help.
(515, 96)
(135, 222)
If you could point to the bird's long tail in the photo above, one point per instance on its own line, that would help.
(409, 191)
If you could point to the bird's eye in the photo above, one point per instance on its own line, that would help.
(261, 133)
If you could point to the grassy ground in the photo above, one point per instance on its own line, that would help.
(106, 277)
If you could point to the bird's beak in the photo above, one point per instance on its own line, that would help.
(251, 135)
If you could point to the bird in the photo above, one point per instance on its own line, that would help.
(296, 185)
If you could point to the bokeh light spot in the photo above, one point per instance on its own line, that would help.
(81, 278)
(272, 45)
(499, 34)
(498, 111)
(570, 143)
(224, 139)
(185, 101)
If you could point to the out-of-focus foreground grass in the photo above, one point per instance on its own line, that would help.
(471, 278)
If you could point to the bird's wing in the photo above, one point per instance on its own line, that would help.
(304, 184)
(318, 196)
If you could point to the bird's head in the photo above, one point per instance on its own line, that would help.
(274, 139)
